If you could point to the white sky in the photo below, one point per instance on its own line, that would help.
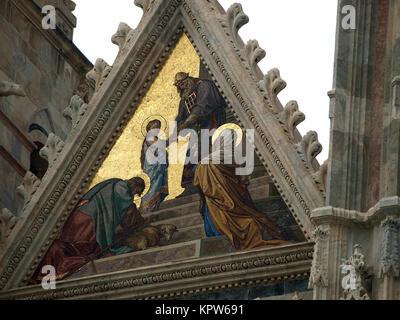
(298, 36)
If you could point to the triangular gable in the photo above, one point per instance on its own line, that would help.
(289, 160)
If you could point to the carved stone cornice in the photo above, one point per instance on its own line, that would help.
(186, 278)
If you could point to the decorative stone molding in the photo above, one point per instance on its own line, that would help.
(52, 149)
(75, 111)
(319, 267)
(99, 73)
(356, 288)
(11, 89)
(290, 118)
(8, 221)
(308, 149)
(234, 19)
(28, 187)
(122, 38)
(390, 255)
(271, 86)
(184, 278)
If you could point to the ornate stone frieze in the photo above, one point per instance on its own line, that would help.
(52, 149)
(356, 282)
(308, 149)
(390, 255)
(11, 89)
(290, 118)
(28, 187)
(8, 221)
(75, 111)
(185, 278)
(319, 267)
(99, 73)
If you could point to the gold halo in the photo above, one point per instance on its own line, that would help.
(151, 118)
(139, 131)
(229, 126)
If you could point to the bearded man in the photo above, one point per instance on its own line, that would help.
(201, 107)
(92, 226)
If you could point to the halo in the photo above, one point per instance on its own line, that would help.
(229, 126)
(151, 118)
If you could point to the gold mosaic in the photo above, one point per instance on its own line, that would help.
(161, 101)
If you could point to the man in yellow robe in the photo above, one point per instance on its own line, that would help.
(227, 207)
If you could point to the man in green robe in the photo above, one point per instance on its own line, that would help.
(90, 230)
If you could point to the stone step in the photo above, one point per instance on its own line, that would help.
(172, 252)
(264, 182)
(194, 232)
(183, 221)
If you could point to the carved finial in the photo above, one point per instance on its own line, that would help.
(390, 251)
(354, 282)
(71, 5)
(75, 110)
(271, 86)
(99, 73)
(145, 5)
(52, 149)
(11, 89)
(253, 55)
(319, 266)
(235, 19)
(308, 149)
(122, 37)
(8, 221)
(290, 118)
(320, 177)
(28, 187)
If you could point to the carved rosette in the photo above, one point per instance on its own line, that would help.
(319, 267)
(390, 255)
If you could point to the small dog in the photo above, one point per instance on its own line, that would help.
(150, 236)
